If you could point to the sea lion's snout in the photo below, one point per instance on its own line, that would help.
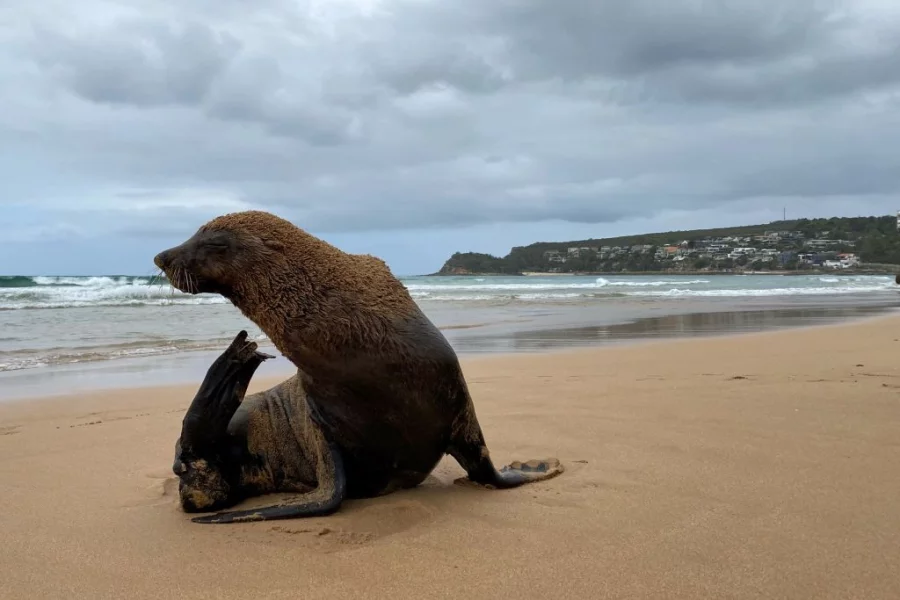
(162, 259)
(202, 264)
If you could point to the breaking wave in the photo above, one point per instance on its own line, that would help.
(21, 292)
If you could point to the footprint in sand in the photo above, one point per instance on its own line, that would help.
(359, 524)
(86, 424)
(162, 489)
(323, 537)
(9, 430)
(106, 418)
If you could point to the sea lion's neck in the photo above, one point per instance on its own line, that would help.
(282, 297)
(315, 301)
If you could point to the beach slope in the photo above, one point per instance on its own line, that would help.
(754, 466)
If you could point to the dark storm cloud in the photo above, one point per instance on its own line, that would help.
(358, 115)
(574, 38)
(739, 51)
(139, 63)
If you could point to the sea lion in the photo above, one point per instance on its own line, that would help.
(378, 399)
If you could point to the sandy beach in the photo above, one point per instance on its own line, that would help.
(750, 466)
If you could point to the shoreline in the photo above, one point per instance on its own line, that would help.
(739, 466)
(278, 369)
(52, 324)
(692, 272)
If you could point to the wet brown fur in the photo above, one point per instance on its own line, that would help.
(305, 288)
(342, 319)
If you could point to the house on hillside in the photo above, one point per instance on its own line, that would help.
(848, 259)
(747, 251)
(554, 256)
(581, 251)
(786, 257)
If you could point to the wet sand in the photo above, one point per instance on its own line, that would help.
(754, 466)
(670, 326)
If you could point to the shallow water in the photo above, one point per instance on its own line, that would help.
(101, 328)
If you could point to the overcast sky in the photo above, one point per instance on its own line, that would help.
(414, 128)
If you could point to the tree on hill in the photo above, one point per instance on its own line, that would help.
(475, 262)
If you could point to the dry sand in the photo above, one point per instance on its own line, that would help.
(756, 466)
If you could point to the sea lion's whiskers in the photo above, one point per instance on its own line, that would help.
(163, 280)
(151, 279)
(176, 280)
(156, 280)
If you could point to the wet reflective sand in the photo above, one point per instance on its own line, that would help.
(667, 326)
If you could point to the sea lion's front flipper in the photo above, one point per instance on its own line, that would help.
(470, 451)
(325, 499)
(207, 478)
(219, 396)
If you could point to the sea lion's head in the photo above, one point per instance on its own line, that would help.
(224, 254)
(283, 278)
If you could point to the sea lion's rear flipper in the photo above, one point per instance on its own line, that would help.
(325, 499)
(470, 451)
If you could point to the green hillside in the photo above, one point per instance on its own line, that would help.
(853, 242)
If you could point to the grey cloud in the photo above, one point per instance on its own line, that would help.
(159, 62)
(640, 37)
(454, 64)
(438, 114)
(743, 52)
(842, 176)
(139, 63)
(789, 82)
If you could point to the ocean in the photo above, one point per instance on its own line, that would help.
(70, 323)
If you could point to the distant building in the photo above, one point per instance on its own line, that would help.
(581, 251)
(555, 256)
(786, 257)
(848, 260)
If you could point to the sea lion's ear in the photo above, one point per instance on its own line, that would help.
(272, 244)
